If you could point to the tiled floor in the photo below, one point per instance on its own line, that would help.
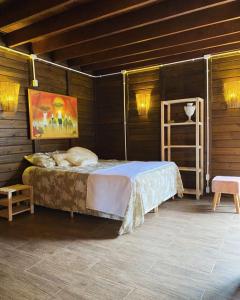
(183, 252)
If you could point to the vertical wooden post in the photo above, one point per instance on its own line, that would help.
(169, 131)
(10, 206)
(216, 199)
(236, 201)
(31, 200)
(197, 151)
(202, 145)
(162, 130)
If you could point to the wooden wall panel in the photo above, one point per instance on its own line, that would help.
(14, 128)
(53, 80)
(225, 121)
(143, 134)
(82, 87)
(109, 117)
(14, 141)
(185, 80)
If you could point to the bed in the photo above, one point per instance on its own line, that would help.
(117, 190)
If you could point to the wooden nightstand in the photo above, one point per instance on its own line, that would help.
(15, 195)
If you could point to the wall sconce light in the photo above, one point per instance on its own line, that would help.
(232, 94)
(143, 99)
(9, 92)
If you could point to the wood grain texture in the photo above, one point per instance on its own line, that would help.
(109, 117)
(182, 23)
(143, 134)
(14, 128)
(173, 82)
(143, 137)
(74, 17)
(225, 121)
(169, 42)
(84, 259)
(133, 19)
(121, 34)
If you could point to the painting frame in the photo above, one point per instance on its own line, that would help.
(52, 115)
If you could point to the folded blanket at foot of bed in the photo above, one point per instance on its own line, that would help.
(131, 190)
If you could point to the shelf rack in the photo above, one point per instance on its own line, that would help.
(198, 126)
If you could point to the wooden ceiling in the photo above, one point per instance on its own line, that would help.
(102, 36)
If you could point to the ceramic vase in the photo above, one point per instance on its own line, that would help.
(189, 110)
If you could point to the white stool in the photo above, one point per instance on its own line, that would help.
(226, 185)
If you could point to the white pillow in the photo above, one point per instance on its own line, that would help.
(89, 162)
(83, 153)
(61, 159)
(77, 159)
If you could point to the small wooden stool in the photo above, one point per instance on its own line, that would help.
(226, 185)
(19, 197)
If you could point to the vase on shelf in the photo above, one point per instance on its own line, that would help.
(189, 110)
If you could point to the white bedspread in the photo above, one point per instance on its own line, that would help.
(109, 190)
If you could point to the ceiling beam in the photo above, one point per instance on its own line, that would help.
(179, 24)
(171, 59)
(24, 10)
(145, 16)
(182, 38)
(189, 47)
(77, 16)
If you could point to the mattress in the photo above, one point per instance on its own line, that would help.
(65, 188)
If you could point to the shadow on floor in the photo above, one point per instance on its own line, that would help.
(53, 224)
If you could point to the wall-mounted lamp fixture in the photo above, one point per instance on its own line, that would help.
(143, 99)
(232, 94)
(9, 92)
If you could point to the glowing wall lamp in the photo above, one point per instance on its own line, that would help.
(9, 96)
(232, 94)
(143, 99)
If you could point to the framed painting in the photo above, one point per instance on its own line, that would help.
(52, 116)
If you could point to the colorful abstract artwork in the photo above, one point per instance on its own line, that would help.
(52, 116)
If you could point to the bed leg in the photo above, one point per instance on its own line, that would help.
(155, 210)
(173, 197)
(71, 214)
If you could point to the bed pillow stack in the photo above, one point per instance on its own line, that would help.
(61, 159)
(76, 156)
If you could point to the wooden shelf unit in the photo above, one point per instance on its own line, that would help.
(18, 196)
(198, 126)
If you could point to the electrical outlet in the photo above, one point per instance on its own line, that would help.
(35, 83)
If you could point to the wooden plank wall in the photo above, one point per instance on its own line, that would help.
(82, 87)
(14, 128)
(109, 117)
(185, 80)
(14, 141)
(225, 121)
(143, 134)
(58, 80)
